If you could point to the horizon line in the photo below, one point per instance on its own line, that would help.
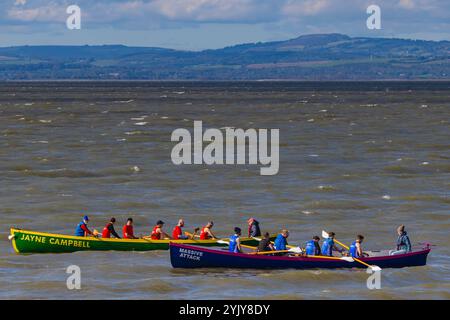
(229, 46)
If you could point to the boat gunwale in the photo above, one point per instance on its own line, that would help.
(163, 241)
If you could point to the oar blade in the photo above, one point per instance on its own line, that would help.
(375, 268)
(295, 250)
(348, 259)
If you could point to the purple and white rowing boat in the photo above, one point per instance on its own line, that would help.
(188, 256)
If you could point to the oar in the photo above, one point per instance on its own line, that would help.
(373, 267)
(223, 241)
(298, 250)
(326, 236)
(288, 246)
(291, 250)
(348, 259)
(191, 235)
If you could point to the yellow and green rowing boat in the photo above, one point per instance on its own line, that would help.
(25, 241)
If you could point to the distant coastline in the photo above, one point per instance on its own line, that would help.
(319, 57)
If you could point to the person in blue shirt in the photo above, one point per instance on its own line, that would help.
(82, 230)
(235, 242)
(328, 245)
(355, 250)
(281, 240)
(312, 247)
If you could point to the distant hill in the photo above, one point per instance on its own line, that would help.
(308, 57)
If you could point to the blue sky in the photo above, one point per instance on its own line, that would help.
(200, 24)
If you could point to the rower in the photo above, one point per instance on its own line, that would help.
(235, 242)
(265, 244)
(313, 247)
(403, 242)
(177, 233)
(355, 250)
(157, 232)
(127, 230)
(253, 228)
(206, 232)
(328, 245)
(82, 230)
(281, 240)
(109, 229)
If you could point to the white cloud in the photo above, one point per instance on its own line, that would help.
(20, 2)
(407, 4)
(218, 11)
(304, 7)
(278, 18)
(214, 10)
(47, 13)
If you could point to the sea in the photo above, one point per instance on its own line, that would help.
(355, 158)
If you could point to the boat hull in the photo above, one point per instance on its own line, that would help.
(187, 256)
(25, 241)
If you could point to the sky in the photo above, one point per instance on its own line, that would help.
(204, 24)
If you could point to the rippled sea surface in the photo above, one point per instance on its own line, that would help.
(354, 158)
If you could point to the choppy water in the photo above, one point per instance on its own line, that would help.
(354, 158)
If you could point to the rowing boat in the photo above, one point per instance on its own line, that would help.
(188, 256)
(24, 241)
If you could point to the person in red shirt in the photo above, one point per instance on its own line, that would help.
(157, 232)
(109, 229)
(127, 230)
(206, 232)
(177, 232)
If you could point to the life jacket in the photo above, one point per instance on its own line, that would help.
(327, 247)
(127, 232)
(106, 233)
(353, 251)
(79, 231)
(403, 242)
(310, 248)
(204, 235)
(176, 232)
(233, 244)
(155, 235)
(280, 242)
